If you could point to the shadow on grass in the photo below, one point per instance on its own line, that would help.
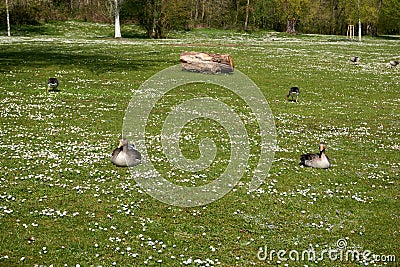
(389, 37)
(127, 32)
(38, 29)
(89, 30)
(29, 30)
(98, 62)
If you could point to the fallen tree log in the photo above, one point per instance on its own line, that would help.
(206, 63)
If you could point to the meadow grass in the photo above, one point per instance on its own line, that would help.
(62, 202)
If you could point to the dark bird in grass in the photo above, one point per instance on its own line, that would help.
(393, 63)
(318, 160)
(126, 155)
(52, 84)
(293, 93)
(355, 60)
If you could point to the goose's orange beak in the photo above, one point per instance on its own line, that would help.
(120, 144)
(322, 146)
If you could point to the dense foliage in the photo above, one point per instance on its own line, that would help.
(159, 16)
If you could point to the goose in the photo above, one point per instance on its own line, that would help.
(393, 63)
(294, 92)
(126, 155)
(355, 60)
(52, 84)
(319, 160)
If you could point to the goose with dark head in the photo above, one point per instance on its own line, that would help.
(293, 94)
(52, 84)
(393, 63)
(318, 160)
(355, 60)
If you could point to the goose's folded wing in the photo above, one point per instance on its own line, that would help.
(308, 156)
(115, 152)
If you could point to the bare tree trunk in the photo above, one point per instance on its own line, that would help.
(157, 24)
(196, 13)
(237, 3)
(117, 23)
(203, 10)
(246, 22)
(154, 32)
(291, 26)
(8, 20)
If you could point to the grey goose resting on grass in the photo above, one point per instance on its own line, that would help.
(319, 160)
(125, 155)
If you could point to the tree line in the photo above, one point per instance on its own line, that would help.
(161, 16)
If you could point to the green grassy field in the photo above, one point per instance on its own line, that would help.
(62, 203)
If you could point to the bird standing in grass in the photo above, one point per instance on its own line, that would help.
(393, 63)
(355, 60)
(52, 84)
(319, 160)
(125, 155)
(294, 93)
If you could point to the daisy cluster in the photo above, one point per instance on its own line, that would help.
(62, 203)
